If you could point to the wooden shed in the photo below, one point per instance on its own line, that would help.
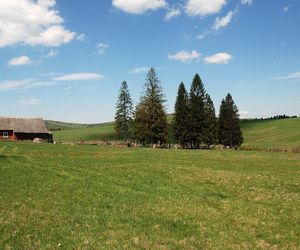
(15, 129)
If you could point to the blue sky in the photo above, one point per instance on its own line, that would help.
(65, 60)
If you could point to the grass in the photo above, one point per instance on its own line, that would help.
(85, 197)
(56, 125)
(103, 132)
(258, 133)
(272, 133)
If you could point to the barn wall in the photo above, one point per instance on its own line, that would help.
(30, 137)
(11, 136)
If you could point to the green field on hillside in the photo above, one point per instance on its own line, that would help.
(264, 133)
(272, 133)
(102, 133)
(56, 125)
(97, 197)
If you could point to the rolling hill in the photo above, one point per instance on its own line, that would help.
(262, 133)
(56, 125)
(272, 133)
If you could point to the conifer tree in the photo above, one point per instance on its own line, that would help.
(210, 129)
(124, 112)
(150, 118)
(197, 112)
(181, 119)
(139, 124)
(230, 133)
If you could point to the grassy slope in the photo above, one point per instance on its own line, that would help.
(103, 197)
(273, 133)
(102, 132)
(56, 125)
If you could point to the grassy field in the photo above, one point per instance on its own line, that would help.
(264, 133)
(275, 133)
(85, 197)
(56, 125)
(103, 132)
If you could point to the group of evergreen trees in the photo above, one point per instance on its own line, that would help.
(148, 123)
(195, 122)
(194, 118)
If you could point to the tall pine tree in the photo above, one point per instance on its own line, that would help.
(230, 133)
(124, 112)
(197, 113)
(210, 128)
(150, 119)
(181, 119)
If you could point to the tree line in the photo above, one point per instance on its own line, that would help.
(194, 121)
(278, 117)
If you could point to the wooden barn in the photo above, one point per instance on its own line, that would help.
(16, 129)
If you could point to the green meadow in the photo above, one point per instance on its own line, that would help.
(259, 133)
(100, 197)
(101, 132)
(272, 133)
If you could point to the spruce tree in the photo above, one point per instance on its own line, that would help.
(124, 112)
(197, 113)
(230, 133)
(150, 119)
(139, 124)
(210, 128)
(181, 119)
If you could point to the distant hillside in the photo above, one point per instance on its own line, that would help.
(101, 132)
(56, 125)
(262, 133)
(272, 133)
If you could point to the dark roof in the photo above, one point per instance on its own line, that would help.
(23, 125)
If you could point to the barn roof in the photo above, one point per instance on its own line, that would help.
(23, 125)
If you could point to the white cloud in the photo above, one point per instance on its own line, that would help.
(30, 102)
(139, 70)
(78, 77)
(219, 58)
(81, 37)
(246, 2)
(102, 47)
(138, 6)
(32, 23)
(24, 84)
(204, 7)
(18, 61)
(53, 37)
(11, 85)
(173, 12)
(53, 53)
(203, 35)
(295, 75)
(286, 8)
(46, 3)
(185, 56)
(223, 22)
(244, 114)
(56, 80)
(39, 84)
